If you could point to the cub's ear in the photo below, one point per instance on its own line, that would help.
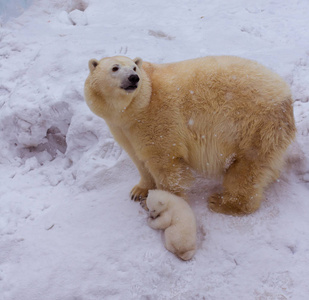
(161, 202)
(93, 63)
(138, 61)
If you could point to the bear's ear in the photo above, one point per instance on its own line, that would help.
(138, 61)
(93, 63)
(161, 202)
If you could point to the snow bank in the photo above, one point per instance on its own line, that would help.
(12, 8)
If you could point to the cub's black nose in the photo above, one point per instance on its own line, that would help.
(134, 78)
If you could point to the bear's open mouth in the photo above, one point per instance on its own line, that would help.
(130, 88)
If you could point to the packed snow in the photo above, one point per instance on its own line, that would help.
(68, 229)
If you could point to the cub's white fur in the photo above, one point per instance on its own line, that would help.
(172, 213)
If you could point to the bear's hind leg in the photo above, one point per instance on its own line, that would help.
(243, 188)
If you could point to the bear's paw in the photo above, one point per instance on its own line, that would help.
(228, 204)
(138, 193)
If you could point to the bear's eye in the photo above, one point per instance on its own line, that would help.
(115, 69)
(134, 69)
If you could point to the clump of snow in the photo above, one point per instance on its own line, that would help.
(68, 229)
(191, 122)
(229, 160)
(78, 17)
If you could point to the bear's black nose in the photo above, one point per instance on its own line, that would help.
(134, 78)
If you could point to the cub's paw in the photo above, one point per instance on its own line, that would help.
(138, 193)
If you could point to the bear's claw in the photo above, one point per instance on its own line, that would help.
(140, 194)
(143, 204)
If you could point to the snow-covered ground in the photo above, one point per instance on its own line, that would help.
(68, 229)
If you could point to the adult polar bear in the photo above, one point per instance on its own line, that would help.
(220, 116)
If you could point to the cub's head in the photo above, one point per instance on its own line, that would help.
(157, 202)
(112, 83)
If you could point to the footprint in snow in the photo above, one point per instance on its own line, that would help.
(110, 153)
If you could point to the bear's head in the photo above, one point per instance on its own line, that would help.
(157, 202)
(112, 83)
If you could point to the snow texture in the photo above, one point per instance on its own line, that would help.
(68, 229)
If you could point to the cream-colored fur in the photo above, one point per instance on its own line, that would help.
(220, 116)
(174, 215)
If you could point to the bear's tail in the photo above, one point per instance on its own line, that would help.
(187, 255)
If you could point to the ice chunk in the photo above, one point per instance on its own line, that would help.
(78, 17)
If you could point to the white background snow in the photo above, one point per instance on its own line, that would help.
(68, 229)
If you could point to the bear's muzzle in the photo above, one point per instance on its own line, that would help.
(131, 83)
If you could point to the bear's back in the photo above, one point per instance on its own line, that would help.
(219, 77)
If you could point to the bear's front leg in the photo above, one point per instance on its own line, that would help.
(139, 191)
(172, 175)
(243, 187)
(146, 183)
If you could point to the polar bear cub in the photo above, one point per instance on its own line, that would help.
(172, 213)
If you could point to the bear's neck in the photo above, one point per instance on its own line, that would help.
(141, 102)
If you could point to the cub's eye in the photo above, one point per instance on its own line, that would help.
(134, 69)
(115, 69)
